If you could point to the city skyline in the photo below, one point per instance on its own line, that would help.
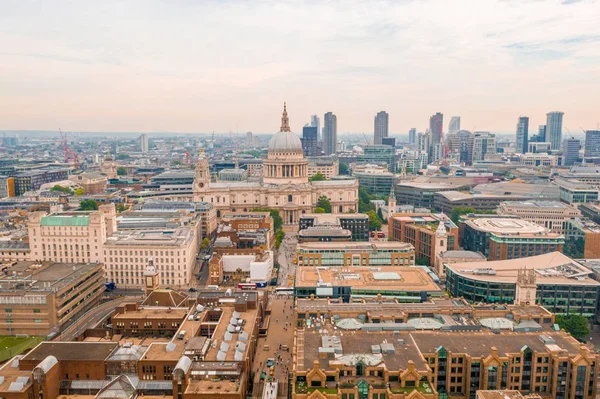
(111, 67)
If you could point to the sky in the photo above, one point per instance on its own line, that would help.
(227, 65)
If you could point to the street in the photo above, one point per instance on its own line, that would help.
(286, 254)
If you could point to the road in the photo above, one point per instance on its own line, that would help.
(286, 254)
(90, 319)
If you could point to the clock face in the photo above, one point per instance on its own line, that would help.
(201, 185)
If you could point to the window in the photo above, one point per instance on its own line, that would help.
(36, 311)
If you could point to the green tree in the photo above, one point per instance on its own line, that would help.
(121, 171)
(344, 168)
(374, 221)
(79, 191)
(319, 210)
(380, 215)
(576, 325)
(317, 177)
(121, 208)
(205, 243)
(176, 162)
(279, 238)
(457, 211)
(122, 156)
(61, 189)
(88, 205)
(422, 261)
(324, 203)
(364, 198)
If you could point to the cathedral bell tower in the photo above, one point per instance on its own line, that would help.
(526, 288)
(201, 177)
(392, 202)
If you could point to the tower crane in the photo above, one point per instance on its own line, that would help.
(68, 152)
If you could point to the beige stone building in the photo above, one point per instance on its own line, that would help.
(551, 214)
(173, 252)
(329, 166)
(284, 186)
(92, 182)
(71, 237)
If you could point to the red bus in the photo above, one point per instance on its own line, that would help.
(247, 286)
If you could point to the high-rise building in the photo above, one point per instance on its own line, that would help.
(522, 134)
(483, 143)
(412, 135)
(541, 136)
(315, 121)
(454, 125)
(249, 140)
(381, 126)
(424, 142)
(330, 133)
(592, 143)
(144, 143)
(436, 126)
(571, 148)
(554, 122)
(309, 141)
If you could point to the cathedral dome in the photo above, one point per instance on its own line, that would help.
(285, 140)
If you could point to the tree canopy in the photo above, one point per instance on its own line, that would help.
(277, 220)
(576, 325)
(364, 198)
(121, 171)
(317, 177)
(319, 210)
(374, 221)
(79, 191)
(205, 243)
(88, 205)
(458, 211)
(61, 189)
(344, 168)
(324, 203)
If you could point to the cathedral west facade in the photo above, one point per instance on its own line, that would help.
(284, 186)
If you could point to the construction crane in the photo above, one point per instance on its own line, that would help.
(68, 152)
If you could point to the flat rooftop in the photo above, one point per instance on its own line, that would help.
(462, 196)
(175, 237)
(71, 351)
(331, 218)
(354, 246)
(508, 226)
(555, 205)
(550, 268)
(388, 278)
(35, 277)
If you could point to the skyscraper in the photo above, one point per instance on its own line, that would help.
(454, 125)
(329, 133)
(381, 126)
(315, 121)
(436, 125)
(309, 141)
(522, 134)
(144, 143)
(483, 143)
(541, 136)
(571, 148)
(554, 129)
(412, 135)
(592, 143)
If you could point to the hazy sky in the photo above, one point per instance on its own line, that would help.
(199, 66)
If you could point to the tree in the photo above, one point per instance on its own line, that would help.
(343, 168)
(374, 221)
(457, 211)
(324, 203)
(88, 205)
(61, 189)
(205, 243)
(121, 208)
(380, 215)
(317, 177)
(122, 156)
(576, 325)
(319, 210)
(364, 198)
(121, 171)
(279, 238)
(79, 191)
(176, 162)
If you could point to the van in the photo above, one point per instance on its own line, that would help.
(181, 334)
(212, 287)
(285, 348)
(266, 348)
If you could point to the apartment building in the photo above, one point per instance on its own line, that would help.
(553, 215)
(71, 237)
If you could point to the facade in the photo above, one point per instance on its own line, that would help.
(144, 143)
(501, 238)
(324, 233)
(590, 210)
(315, 121)
(571, 149)
(33, 180)
(483, 143)
(592, 143)
(455, 256)
(40, 299)
(329, 133)
(559, 283)
(522, 134)
(454, 125)
(242, 266)
(71, 237)
(376, 179)
(553, 215)
(421, 195)
(328, 166)
(539, 159)
(445, 201)
(538, 147)
(582, 239)
(576, 192)
(310, 141)
(429, 234)
(461, 143)
(91, 183)
(284, 187)
(344, 254)
(381, 127)
(173, 253)
(541, 136)
(356, 223)
(436, 127)
(554, 121)
(378, 155)
(412, 136)
(249, 222)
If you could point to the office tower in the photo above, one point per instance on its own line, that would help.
(541, 136)
(436, 125)
(315, 121)
(144, 143)
(391, 141)
(592, 143)
(412, 135)
(381, 126)
(522, 134)
(329, 133)
(424, 142)
(571, 148)
(249, 140)
(309, 141)
(554, 129)
(454, 125)
(483, 143)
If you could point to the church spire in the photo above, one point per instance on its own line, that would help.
(285, 122)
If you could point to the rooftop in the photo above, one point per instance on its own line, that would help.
(573, 184)
(506, 226)
(535, 204)
(177, 237)
(71, 219)
(71, 351)
(34, 277)
(354, 246)
(463, 255)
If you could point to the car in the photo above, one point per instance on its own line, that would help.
(192, 289)
(270, 362)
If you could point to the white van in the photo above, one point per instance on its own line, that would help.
(212, 287)
(181, 334)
